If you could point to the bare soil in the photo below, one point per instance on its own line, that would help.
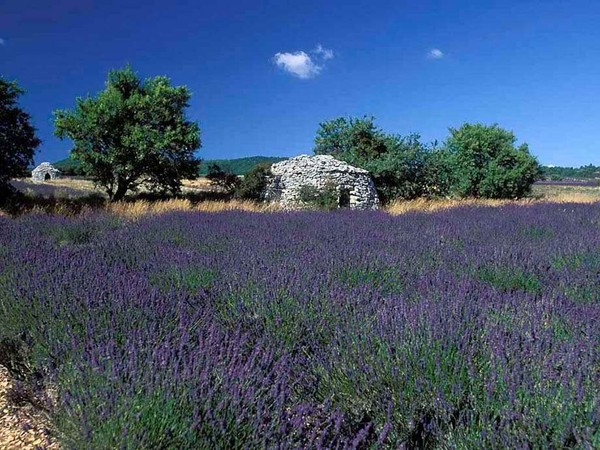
(22, 427)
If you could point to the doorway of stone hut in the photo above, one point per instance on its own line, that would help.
(47, 177)
(344, 198)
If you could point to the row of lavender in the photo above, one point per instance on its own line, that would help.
(473, 328)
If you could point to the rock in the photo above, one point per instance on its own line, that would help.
(354, 186)
(45, 171)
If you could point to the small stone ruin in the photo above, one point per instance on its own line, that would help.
(44, 172)
(355, 188)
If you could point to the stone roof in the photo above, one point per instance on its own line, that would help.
(319, 163)
(45, 167)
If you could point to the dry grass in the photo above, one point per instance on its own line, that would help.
(140, 208)
(200, 183)
(425, 205)
(143, 208)
(579, 195)
(567, 194)
(73, 183)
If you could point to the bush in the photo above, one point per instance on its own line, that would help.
(487, 164)
(252, 186)
(225, 180)
(326, 198)
(401, 172)
(399, 165)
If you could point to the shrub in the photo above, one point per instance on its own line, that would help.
(252, 186)
(399, 165)
(325, 198)
(487, 163)
(225, 180)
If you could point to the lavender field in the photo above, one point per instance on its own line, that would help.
(466, 329)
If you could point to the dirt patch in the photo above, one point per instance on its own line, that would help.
(22, 427)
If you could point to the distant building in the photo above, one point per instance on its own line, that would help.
(44, 172)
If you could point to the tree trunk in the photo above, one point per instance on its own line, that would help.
(120, 193)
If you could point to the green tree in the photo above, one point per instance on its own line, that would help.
(134, 132)
(253, 184)
(399, 165)
(355, 140)
(17, 137)
(487, 163)
(223, 179)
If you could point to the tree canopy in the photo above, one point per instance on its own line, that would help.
(133, 132)
(398, 164)
(486, 162)
(17, 136)
(476, 160)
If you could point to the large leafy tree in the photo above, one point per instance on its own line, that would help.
(400, 165)
(353, 139)
(134, 132)
(17, 136)
(487, 163)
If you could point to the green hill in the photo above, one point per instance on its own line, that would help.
(237, 166)
(559, 173)
(69, 167)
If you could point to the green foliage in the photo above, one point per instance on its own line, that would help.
(239, 166)
(70, 167)
(133, 132)
(188, 278)
(560, 173)
(508, 280)
(225, 180)
(326, 198)
(588, 259)
(253, 185)
(401, 166)
(402, 172)
(487, 164)
(17, 136)
(384, 279)
(355, 140)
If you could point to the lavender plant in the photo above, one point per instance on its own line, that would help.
(470, 328)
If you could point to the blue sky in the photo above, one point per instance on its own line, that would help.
(264, 74)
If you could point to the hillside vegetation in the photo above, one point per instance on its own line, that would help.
(560, 173)
(237, 166)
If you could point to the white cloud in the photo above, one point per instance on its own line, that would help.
(2, 41)
(302, 65)
(298, 64)
(324, 53)
(435, 53)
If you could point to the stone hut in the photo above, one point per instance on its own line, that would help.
(45, 171)
(355, 188)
